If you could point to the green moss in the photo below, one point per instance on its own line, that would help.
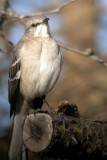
(61, 129)
(77, 130)
(88, 131)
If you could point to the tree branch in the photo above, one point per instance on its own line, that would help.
(57, 10)
(9, 43)
(4, 5)
(64, 134)
(88, 52)
(3, 51)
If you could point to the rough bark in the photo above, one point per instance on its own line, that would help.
(64, 134)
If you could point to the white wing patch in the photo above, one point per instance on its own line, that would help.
(16, 77)
(15, 62)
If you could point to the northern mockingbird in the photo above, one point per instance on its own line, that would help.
(34, 69)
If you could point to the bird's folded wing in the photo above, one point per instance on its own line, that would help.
(14, 79)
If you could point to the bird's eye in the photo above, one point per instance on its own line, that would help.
(33, 25)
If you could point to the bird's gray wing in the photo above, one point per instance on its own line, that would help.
(14, 78)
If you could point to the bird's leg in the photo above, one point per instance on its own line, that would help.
(50, 109)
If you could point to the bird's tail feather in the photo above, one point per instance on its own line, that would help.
(15, 151)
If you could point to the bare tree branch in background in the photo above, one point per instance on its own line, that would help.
(14, 15)
(88, 53)
(9, 42)
(4, 5)
(56, 10)
(5, 8)
(3, 51)
(6, 13)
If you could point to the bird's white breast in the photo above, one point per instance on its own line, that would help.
(40, 68)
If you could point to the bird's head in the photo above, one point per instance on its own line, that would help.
(38, 26)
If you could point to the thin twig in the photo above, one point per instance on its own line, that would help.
(3, 51)
(88, 52)
(11, 45)
(57, 10)
(9, 42)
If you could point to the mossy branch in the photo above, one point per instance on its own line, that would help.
(64, 134)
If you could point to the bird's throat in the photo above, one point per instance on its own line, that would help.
(41, 31)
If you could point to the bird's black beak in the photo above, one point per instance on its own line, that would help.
(46, 20)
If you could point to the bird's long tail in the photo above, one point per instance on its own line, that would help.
(17, 150)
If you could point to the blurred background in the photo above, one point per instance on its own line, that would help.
(82, 25)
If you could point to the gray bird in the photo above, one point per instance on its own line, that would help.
(35, 67)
